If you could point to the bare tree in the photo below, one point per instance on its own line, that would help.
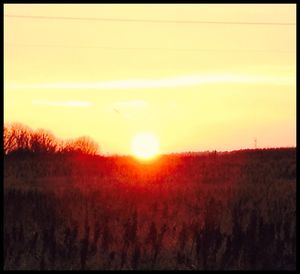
(16, 138)
(82, 145)
(43, 141)
(19, 138)
(9, 143)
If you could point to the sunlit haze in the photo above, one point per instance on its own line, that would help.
(145, 79)
(145, 145)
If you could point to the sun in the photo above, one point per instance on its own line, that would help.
(145, 145)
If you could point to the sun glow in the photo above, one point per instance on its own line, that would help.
(145, 146)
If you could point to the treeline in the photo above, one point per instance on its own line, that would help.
(20, 139)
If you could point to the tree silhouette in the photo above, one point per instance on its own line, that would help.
(43, 141)
(82, 145)
(18, 138)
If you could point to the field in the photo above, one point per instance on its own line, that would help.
(205, 211)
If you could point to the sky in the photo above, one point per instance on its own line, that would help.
(197, 76)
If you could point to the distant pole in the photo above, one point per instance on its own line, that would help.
(255, 143)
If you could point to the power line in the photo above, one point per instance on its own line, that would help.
(145, 48)
(147, 20)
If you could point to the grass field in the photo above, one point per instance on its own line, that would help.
(234, 210)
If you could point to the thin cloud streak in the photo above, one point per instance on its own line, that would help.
(181, 81)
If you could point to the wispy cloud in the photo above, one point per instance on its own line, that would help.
(171, 82)
(62, 103)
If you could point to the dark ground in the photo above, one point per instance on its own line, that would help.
(232, 210)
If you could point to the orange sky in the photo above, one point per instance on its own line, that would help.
(195, 85)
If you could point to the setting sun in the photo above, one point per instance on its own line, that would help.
(145, 145)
